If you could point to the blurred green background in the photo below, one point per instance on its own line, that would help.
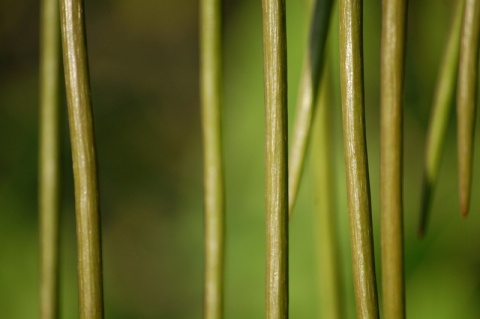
(144, 76)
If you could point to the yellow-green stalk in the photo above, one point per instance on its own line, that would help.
(80, 115)
(214, 202)
(276, 164)
(49, 163)
(394, 13)
(356, 162)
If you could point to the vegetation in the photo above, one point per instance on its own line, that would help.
(214, 181)
(141, 252)
(82, 137)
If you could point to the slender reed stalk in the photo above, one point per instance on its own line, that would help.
(49, 163)
(467, 98)
(356, 162)
(325, 212)
(441, 112)
(394, 14)
(210, 17)
(84, 159)
(313, 65)
(276, 176)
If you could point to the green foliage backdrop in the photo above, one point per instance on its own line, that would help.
(144, 78)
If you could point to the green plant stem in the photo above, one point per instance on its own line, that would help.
(84, 159)
(467, 98)
(391, 177)
(313, 65)
(276, 176)
(210, 17)
(356, 162)
(49, 163)
(331, 305)
(441, 112)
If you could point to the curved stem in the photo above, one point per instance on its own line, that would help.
(313, 65)
(84, 159)
(467, 99)
(276, 175)
(441, 112)
(356, 162)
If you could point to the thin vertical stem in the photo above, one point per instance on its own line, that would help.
(84, 159)
(210, 18)
(391, 180)
(356, 162)
(441, 111)
(49, 164)
(325, 212)
(467, 98)
(276, 179)
(313, 65)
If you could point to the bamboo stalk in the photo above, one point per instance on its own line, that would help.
(84, 159)
(49, 163)
(356, 162)
(331, 305)
(210, 17)
(467, 98)
(391, 169)
(441, 112)
(313, 65)
(276, 176)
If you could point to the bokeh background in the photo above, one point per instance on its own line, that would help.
(144, 77)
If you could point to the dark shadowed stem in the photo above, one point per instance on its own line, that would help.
(391, 156)
(276, 178)
(330, 288)
(84, 160)
(467, 98)
(214, 205)
(356, 163)
(49, 169)
(312, 68)
(440, 114)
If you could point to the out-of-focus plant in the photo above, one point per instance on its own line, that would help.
(440, 114)
(214, 205)
(49, 167)
(308, 94)
(467, 99)
(332, 296)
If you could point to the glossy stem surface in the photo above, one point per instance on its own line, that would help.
(440, 114)
(49, 163)
(84, 160)
(467, 99)
(356, 162)
(214, 194)
(391, 156)
(276, 175)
